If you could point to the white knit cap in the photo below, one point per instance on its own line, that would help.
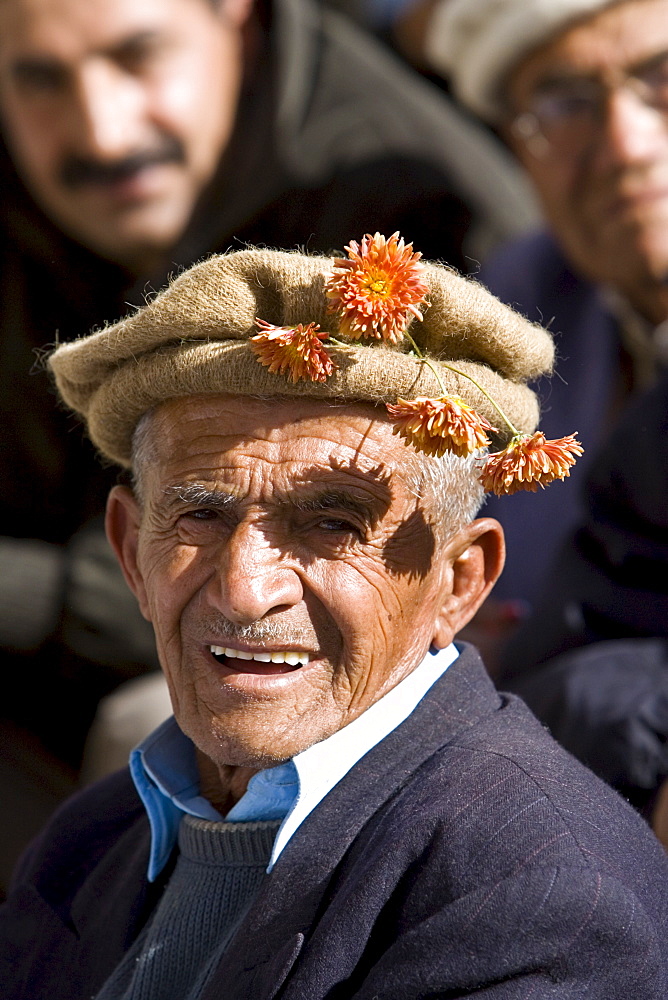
(475, 43)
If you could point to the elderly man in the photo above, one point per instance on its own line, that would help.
(580, 90)
(344, 806)
(138, 135)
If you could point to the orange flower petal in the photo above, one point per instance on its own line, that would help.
(377, 291)
(529, 462)
(435, 426)
(293, 350)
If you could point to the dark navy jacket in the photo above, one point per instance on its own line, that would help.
(532, 275)
(467, 855)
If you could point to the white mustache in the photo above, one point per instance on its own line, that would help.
(261, 631)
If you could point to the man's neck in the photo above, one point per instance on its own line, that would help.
(145, 265)
(222, 786)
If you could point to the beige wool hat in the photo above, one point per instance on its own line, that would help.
(476, 43)
(193, 339)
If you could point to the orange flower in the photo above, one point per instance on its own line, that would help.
(378, 289)
(529, 462)
(296, 350)
(435, 426)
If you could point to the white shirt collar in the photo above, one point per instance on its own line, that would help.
(323, 765)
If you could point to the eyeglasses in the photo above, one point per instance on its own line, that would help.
(566, 113)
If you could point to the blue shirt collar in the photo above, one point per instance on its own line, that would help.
(164, 769)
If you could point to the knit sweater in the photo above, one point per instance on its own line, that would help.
(218, 873)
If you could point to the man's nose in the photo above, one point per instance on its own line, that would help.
(634, 132)
(253, 577)
(111, 112)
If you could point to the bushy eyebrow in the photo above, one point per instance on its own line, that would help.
(307, 500)
(333, 499)
(195, 493)
(24, 67)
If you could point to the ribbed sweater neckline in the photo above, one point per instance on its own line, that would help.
(225, 843)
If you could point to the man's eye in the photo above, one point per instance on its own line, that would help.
(135, 58)
(566, 105)
(335, 524)
(39, 78)
(202, 514)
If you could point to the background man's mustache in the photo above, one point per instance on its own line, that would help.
(78, 171)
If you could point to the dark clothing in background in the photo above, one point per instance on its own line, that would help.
(533, 276)
(592, 662)
(465, 855)
(607, 703)
(611, 579)
(333, 138)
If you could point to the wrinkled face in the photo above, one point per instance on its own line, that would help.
(291, 575)
(116, 112)
(607, 203)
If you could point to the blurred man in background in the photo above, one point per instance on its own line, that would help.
(580, 90)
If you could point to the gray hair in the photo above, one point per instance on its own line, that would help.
(451, 485)
(144, 453)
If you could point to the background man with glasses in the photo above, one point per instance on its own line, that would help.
(579, 88)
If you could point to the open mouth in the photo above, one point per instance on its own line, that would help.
(275, 661)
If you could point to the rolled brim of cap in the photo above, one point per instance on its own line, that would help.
(193, 339)
(476, 43)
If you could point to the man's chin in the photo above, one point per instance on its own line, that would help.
(129, 233)
(228, 745)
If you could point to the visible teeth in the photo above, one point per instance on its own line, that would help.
(291, 657)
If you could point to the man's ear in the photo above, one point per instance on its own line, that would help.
(122, 522)
(475, 558)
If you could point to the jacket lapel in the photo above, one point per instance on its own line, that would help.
(93, 928)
